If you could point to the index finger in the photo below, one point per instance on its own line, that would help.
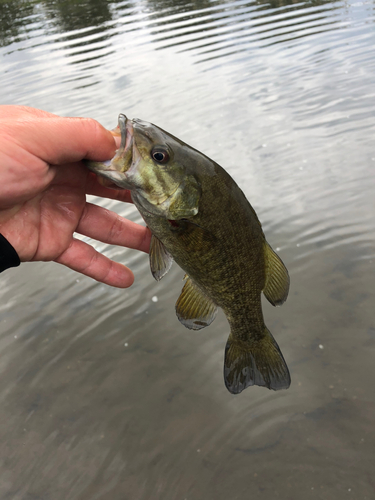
(94, 188)
(107, 226)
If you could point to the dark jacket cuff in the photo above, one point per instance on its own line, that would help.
(8, 256)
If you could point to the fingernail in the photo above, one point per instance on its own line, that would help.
(116, 137)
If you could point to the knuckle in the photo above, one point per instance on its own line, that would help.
(116, 228)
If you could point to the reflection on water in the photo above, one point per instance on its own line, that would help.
(104, 395)
(201, 24)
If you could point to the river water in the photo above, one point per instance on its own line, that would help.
(104, 395)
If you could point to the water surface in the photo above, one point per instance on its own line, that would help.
(104, 395)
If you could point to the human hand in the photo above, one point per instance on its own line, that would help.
(43, 193)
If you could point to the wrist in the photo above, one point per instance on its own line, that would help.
(8, 256)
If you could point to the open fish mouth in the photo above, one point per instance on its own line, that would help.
(127, 137)
(113, 173)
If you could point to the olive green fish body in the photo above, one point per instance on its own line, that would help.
(220, 248)
(200, 218)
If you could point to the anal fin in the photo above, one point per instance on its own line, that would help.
(193, 308)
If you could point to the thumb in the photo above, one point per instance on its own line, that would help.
(56, 139)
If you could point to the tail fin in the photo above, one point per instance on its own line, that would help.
(255, 362)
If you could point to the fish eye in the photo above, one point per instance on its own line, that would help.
(160, 155)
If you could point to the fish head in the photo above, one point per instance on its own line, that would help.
(155, 167)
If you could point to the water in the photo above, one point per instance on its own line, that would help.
(104, 395)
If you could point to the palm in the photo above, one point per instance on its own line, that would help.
(47, 221)
(43, 193)
(60, 210)
(42, 228)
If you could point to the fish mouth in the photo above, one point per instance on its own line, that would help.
(116, 172)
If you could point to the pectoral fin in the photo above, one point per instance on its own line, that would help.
(193, 308)
(277, 278)
(160, 259)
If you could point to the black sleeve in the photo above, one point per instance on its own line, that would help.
(8, 256)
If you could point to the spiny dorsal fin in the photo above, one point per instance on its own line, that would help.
(257, 361)
(160, 259)
(277, 278)
(193, 308)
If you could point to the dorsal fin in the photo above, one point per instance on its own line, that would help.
(277, 278)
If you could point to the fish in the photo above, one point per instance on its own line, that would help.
(201, 219)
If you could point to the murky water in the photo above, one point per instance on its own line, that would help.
(104, 395)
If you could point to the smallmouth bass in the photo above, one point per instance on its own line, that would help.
(200, 218)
